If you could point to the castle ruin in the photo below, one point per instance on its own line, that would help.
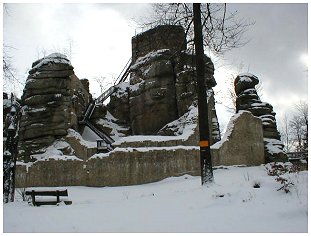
(149, 126)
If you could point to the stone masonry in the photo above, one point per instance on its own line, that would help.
(242, 142)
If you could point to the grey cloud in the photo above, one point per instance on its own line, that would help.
(278, 40)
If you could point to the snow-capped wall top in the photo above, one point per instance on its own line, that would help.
(229, 129)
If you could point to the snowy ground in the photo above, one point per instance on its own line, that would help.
(177, 204)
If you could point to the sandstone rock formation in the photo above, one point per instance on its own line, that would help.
(152, 92)
(248, 99)
(53, 100)
(161, 37)
(162, 84)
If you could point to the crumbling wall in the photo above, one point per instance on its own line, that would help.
(146, 159)
(242, 142)
(119, 168)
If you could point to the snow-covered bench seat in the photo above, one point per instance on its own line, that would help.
(57, 193)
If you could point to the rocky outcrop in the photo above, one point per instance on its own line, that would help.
(162, 84)
(152, 94)
(86, 85)
(53, 101)
(186, 91)
(161, 37)
(104, 117)
(119, 103)
(248, 99)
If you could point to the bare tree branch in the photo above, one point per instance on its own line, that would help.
(221, 31)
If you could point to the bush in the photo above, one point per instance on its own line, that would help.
(279, 170)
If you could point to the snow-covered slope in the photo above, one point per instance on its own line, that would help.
(178, 204)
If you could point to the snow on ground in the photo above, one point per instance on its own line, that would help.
(176, 204)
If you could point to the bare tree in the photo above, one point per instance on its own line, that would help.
(294, 128)
(67, 49)
(101, 82)
(302, 110)
(70, 48)
(8, 69)
(228, 97)
(41, 52)
(286, 134)
(222, 30)
(300, 125)
(104, 83)
(296, 125)
(11, 82)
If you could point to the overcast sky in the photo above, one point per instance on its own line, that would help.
(100, 38)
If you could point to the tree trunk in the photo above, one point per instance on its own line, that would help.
(205, 152)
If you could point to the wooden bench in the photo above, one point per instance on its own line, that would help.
(57, 193)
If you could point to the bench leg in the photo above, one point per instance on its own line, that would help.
(33, 197)
(57, 196)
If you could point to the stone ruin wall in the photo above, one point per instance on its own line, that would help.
(242, 142)
(149, 161)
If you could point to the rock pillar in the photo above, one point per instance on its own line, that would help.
(53, 100)
(248, 99)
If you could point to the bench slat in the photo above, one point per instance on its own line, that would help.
(41, 203)
(49, 193)
(46, 203)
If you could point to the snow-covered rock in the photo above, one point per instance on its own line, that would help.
(162, 84)
(248, 99)
(53, 101)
